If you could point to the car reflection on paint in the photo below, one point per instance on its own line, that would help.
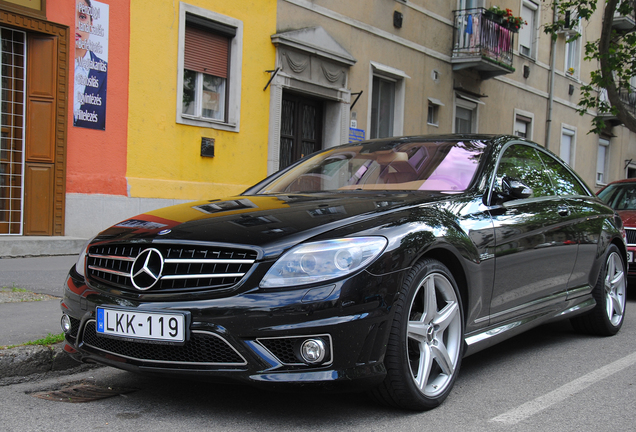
(621, 196)
(377, 265)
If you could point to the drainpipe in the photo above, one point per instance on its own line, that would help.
(548, 128)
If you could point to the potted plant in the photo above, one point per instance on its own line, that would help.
(495, 13)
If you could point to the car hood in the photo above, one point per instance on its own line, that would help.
(628, 217)
(270, 223)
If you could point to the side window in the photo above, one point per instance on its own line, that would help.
(521, 162)
(209, 69)
(565, 183)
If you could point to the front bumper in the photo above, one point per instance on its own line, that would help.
(251, 337)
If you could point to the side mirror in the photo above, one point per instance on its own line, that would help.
(515, 188)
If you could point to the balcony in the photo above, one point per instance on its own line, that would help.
(625, 22)
(627, 96)
(482, 43)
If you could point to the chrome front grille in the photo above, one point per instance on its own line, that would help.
(184, 267)
(631, 236)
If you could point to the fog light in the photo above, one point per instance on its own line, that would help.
(313, 351)
(66, 323)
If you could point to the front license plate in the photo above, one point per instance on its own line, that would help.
(630, 256)
(156, 326)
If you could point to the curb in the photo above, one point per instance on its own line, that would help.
(32, 359)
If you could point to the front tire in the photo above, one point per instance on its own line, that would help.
(426, 343)
(606, 319)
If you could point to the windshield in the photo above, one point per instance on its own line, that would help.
(431, 166)
(620, 196)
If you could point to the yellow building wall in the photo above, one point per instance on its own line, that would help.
(164, 157)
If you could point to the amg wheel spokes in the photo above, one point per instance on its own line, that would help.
(614, 289)
(434, 334)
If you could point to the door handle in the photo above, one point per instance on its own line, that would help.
(563, 210)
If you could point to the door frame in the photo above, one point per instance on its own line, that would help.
(61, 69)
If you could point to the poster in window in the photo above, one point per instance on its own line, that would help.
(91, 64)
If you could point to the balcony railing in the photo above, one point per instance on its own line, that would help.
(627, 96)
(482, 42)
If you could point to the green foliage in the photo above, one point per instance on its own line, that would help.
(619, 59)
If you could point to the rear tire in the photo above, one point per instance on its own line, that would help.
(606, 319)
(426, 342)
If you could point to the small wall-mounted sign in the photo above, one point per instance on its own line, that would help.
(356, 135)
(207, 147)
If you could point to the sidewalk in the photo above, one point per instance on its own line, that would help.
(43, 272)
(23, 246)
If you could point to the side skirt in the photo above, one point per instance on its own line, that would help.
(490, 336)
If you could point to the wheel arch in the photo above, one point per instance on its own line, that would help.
(450, 260)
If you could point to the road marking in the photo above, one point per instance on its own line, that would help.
(528, 409)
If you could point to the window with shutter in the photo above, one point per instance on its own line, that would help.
(210, 78)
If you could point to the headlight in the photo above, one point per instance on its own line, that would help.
(81, 261)
(321, 261)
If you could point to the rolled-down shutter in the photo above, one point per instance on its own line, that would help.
(206, 51)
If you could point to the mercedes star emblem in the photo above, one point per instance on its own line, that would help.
(146, 269)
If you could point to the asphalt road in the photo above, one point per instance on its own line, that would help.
(44, 275)
(549, 379)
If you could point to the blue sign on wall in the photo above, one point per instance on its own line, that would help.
(356, 135)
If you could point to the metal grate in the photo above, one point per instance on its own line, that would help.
(12, 88)
(203, 348)
(631, 236)
(282, 348)
(75, 324)
(184, 267)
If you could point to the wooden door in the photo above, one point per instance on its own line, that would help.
(301, 128)
(41, 102)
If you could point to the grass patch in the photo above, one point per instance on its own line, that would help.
(19, 290)
(49, 340)
(14, 289)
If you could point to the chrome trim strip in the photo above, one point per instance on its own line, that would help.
(586, 304)
(113, 257)
(493, 332)
(105, 270)
(170, 362)
(579, 291)
(207, 261)
(203, 276)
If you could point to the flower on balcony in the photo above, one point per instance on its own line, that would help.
(496, 10)
(570, 71)
(505, 16)
(513, 21)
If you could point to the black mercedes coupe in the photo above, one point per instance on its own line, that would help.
(375, 265)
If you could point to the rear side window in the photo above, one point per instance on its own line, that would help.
(565, 183)
(620, 196)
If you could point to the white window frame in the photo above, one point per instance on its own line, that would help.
(569, 131)
(575, 45)
(603, 142)
(435, 104)
(399, 77)
(468, 103)
(534, 7)
(628, 166)
(529, 125)
(234, 77)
